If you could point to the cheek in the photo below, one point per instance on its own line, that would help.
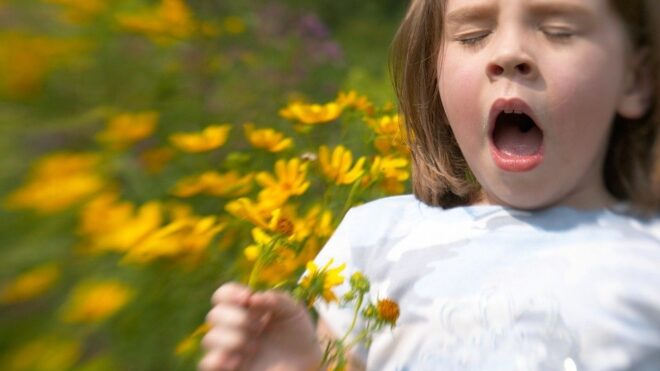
(459, 88)
(580, 96)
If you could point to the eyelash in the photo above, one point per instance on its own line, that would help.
(558, 35)
(473, 40)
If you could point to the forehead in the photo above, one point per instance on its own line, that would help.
(594, 6)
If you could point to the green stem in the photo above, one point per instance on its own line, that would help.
(254, 274)
(351, 195)
(327, 195)
(267, 251)
(359, 338)
(326, 354)
(355, 316)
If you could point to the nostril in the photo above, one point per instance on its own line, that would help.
(524, 68)
(496, 70)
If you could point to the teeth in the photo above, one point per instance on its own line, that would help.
(513, 111)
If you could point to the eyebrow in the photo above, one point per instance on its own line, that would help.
(538, 9)
(547, 8)
(471, 13)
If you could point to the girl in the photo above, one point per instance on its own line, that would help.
(533, 128)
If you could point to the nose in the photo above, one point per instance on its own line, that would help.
(499, 69)
(511, 59)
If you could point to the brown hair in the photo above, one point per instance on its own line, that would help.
(441, 175)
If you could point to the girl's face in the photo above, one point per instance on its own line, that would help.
(530, 89)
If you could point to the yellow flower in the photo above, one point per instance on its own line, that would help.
(258, 213)
(285, 222)
(171, 20)
(284, 267)
(323, 227)
(386, 125)
(316, 223)
(281, 224)
(30, 284)
(261, 239)
(126, 129)
(26, 60)
(47, 353)
(230, 184)
(185, 236)
(58, 165)
(390, 167)
(290, 179)
(267, 139)
(52, 195)
(389, 135)
(282, 248)
(392, 171)
(312, 114)
(58, 181)
(322, 281)
(92, 302)
(109, 225)
(352, 99)
(277, 261)
(210, 138)
(337, 167)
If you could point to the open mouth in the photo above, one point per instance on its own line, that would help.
(516, 134)
(516, 139)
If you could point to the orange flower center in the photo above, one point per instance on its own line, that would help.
(388, 310)
(284, 226)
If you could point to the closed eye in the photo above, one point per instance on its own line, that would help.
(559, 34)
(557, 30)
(472, 39)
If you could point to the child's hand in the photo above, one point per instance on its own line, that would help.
(258, 331)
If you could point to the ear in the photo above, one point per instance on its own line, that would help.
(638, 90)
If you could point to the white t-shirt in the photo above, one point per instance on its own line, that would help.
(494, 288)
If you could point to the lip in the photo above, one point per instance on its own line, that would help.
(508, 162)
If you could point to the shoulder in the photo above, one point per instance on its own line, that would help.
(393, 209)
(387, 207)
(383, 217)
(649, 225)
(631, 225)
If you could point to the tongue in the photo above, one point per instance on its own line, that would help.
(512, 141)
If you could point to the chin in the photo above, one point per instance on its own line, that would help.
(531, 206)
(529, 201)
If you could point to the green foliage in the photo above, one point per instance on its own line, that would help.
(71, 69)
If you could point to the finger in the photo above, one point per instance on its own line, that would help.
(220, 361)
(223, 316)
(228, 316)
(227, 340)
(232, 293)
(274, 303)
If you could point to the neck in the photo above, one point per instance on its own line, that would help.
(582, 199)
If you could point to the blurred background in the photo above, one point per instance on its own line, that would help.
(151, 149)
